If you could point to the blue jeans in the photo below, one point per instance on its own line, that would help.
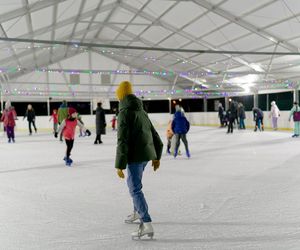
(134, 182)
(242, 123)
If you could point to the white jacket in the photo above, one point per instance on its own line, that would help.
(275, 111)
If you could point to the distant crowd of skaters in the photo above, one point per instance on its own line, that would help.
(235, 115)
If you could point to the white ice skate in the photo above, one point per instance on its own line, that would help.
(132, 218)
(143, 229)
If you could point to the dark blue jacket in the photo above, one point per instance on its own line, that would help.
(180, 124)
(258, 113)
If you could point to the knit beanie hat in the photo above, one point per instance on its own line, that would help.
(124, 89)
(71, 111)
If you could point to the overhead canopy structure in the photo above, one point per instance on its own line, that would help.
(200, 48)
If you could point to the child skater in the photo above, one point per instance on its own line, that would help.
(169, 134)
(113, 122)
(79, 118)
(68, 127)
(54, 117)
(8, 118)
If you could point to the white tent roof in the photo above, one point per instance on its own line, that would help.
(219, 26)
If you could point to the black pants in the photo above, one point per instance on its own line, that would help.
(169, 144)
(29, 125)
(98, 139)
(70, 144)
(221, 121)
(230, 126)
(184, 140)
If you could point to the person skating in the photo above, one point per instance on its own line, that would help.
(258, 117)
(274, 114)
(231, 114)
(62, 115)
(30, 114)
(138, 143)
(181, 126)
(54, 117)
(8, 118)
(100, 123)
(79, 118)
(220, 114)
(113, 123)
(242, 116)
(68, 128)
(295, 112)
(169, 135)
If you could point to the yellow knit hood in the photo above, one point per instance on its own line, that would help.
(124, 89)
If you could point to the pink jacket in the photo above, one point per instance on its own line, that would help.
(8, 117)
(69, 128)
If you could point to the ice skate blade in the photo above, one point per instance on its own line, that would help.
(137, 222)
(141, 237)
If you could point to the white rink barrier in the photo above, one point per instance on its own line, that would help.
(195, 118)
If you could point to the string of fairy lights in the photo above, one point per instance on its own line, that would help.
(195, 92)
(162, 73)
(185, 93)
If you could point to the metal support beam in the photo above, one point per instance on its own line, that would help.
(255, 98)
(97, 45)
(91, 106)
(31, 8)
(296, 94)
(226, 103)
(239, 21)
(205, 104)
(48, 106)
(174, 82)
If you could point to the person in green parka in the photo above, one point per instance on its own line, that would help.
(295, 108)
(138, 143)
(62, 114)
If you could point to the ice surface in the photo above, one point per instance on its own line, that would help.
(238, 191)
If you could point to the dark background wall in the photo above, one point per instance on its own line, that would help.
(284, 100)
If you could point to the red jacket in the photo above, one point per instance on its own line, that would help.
(55, 118)
(8, 117)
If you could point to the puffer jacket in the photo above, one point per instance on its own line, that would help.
(138, 141)
(180, 124)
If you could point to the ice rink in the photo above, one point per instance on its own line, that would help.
(238, 191)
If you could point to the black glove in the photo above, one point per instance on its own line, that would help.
(87, 132)
(55, 134)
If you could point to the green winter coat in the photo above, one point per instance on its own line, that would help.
(138, 141)
(62, 113)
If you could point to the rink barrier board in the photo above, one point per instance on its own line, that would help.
(161, 120)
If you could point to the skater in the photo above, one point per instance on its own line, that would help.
(220, 115)
(138, 143)
(274, 114)
(295, 112)
(30, 114)
(100, 123)
(181, 126)
(62, 115)
(8, 118)
(68, 128)
(169, 134)
(258, 117)
(113, 122)
(79, 118)
(54, 117)
(241, 115)
(231, 114)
